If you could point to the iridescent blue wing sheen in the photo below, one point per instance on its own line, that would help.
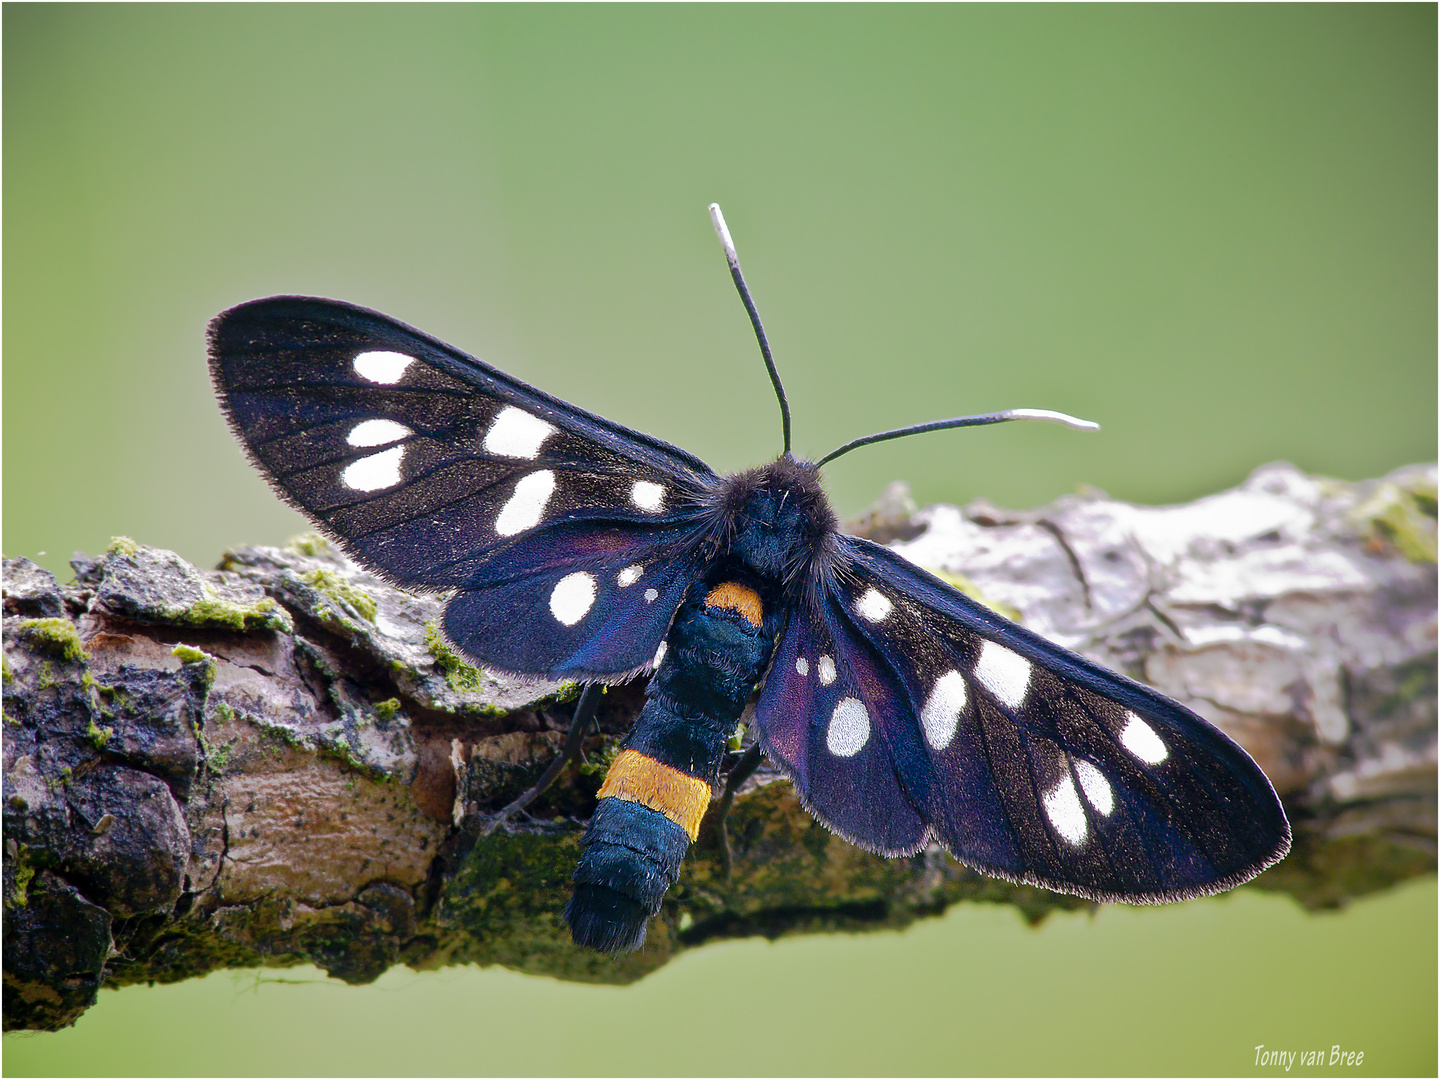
(827, 715)
(599, 597)
(1021, 758)
(444, 474)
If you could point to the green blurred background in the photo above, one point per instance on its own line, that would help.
(1212, 229)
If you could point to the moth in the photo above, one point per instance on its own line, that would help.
(570, 547)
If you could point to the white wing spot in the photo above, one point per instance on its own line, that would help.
(802, 666)
(1140, 739)
(651, 595)
(630, 575)
(386, 368)
(1096, 788)
(825, 670)
(1062, 807)
(873, 606)
(374, 472)
(573, 597)
(849, 728)
(941, 714)
(1004, 673)
(532, 494)
(517, 434)
(647, 496)
(377, 433)
(659, 655)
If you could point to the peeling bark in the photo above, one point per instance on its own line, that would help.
(279, 762)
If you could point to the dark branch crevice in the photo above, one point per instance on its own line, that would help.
(1075, 564)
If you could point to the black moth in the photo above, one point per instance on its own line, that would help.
(573, 548)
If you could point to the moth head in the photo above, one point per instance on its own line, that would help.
(777, 518)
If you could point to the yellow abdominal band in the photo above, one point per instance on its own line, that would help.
(680, 797)
(736, 597)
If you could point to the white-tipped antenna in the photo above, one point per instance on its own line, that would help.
(1052, 416)
(1049, 415)
(964, 421)
(723, 231)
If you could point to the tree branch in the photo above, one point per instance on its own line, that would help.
(279, 761)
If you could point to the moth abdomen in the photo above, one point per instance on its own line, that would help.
(658, 789)
(632, 856)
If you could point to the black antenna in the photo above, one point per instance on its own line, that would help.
(734, 260)
(963, 421)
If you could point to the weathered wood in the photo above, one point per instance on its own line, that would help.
(279, 762)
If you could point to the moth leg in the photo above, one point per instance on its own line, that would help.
(743, 770)
(584, 716)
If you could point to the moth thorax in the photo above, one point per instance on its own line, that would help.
(778, 517)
